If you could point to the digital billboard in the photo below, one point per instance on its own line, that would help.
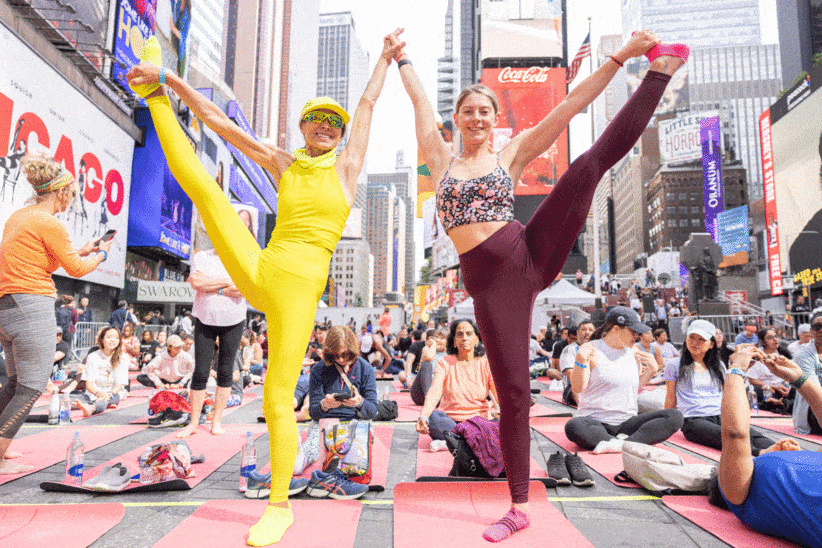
(796, 145)
(521, 31)
(679, 139)
(675, 97)
(526, 96)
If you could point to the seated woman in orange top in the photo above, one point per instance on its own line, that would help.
(461, 384)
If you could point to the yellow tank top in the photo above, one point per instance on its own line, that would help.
(311, 209)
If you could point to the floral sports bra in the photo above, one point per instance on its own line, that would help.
(481, 200)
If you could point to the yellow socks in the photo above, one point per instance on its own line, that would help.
(152, 54)
(271, 527)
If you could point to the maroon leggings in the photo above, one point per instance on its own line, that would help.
(505, 272)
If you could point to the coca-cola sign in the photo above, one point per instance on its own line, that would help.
(530, 75)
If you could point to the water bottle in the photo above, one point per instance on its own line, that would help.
(65, 410)
(249, 461)
(386, 394)
(74, 461)
(54, 409)
(147, 473)
(753, 401)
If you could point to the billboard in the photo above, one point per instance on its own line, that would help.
(521, 30)
(526, 96)
(136, 21)
(732, 235)
(791, 133)
(711, 137)
(675, 98)
(679, 139)
(42, 112)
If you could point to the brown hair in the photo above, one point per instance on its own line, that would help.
(68, 299)
(40, 168)
(340, 339)
(482, 90)
(115, 356)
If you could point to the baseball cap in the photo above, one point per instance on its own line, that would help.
(325, 102)
(626, 317)
(59, 330)
(174, 340)
(803, 328)
(703, 328)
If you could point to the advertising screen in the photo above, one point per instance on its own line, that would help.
(676, 94)
(679, 139)
(42, 112)
(796, 144)
(526, 96)
(136, 21)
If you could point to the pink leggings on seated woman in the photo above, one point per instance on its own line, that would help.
(504, 273)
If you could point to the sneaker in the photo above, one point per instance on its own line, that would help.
(334, 485)
(259, 485)
(557, 469)
(580, 476)
(167, 418)
(111, 479)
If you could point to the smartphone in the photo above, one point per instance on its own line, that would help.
(342, 396)
(106, 237)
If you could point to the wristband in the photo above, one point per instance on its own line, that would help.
(615, 60)
(737, 371)
(403, 62)
(800, 381)
(424, 417)
(220, 291)
(580, 365)
(105, 255)
(162, 76)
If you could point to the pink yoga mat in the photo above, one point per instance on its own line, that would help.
(63, 525)
(408, 410)
(785, 427)
(225, 524)
(723, 524)
(217, 450)
(451, 514)
(77, 414)
(247, 398)
(606, 464)
(679, 440)
(438, 463)
(49, 447)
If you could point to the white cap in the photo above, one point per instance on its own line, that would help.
(803, 328)
(703, 328)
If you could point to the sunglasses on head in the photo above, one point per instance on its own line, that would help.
(816, 326)
(318, 117)
(347, 356)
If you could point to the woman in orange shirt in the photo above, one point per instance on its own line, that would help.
(34, 245)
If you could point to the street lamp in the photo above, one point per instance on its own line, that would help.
(788, 262)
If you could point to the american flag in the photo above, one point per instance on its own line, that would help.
(584, 51)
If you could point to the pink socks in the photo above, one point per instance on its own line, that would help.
(510, 523)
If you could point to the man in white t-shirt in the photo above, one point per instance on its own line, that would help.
(568, 357)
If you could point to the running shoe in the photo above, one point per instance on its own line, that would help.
(580, 476)
(557, 469)
(334, 485)
(167, 418)
(259, 485)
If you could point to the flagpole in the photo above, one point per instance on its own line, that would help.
(597, 259)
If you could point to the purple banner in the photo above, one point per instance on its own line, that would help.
(710, 135)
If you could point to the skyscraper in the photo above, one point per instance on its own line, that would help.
(380, 231)
(448, 69)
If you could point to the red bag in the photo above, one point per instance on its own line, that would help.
(166, 399)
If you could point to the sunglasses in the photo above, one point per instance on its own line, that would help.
(816, 326)
(318, 117)
(347, 356)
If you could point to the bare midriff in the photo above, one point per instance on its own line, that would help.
(467, 237)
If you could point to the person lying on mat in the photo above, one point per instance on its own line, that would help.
(343, 385)
(105, 373)
(435, 349)
(461, 385)
(608, 373)
(694, 386)
(170, 368)
(778, 493)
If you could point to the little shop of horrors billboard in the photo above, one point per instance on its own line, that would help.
(42, 112)
(791, 137)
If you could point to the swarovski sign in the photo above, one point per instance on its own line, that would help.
(164, 292)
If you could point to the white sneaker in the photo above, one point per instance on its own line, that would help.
(438, 445)
(612, 445)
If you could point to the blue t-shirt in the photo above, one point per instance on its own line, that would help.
(699, 396)
(785, 497)
(742, 338)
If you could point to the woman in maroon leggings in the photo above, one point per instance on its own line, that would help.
(505, 264)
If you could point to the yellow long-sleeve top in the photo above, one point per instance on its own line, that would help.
(34, 245)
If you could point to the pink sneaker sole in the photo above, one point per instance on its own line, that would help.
(677, 50)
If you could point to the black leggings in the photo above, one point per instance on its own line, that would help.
(205, 340)
(504, 273)
(648, 428)
(707, 431)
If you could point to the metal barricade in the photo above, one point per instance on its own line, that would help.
(731, 326)
(84, 338)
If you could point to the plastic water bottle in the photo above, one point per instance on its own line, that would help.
(74, 461)
(249, 461)
(386, 394)
(753, 401)
(54, 409)
(65, 410)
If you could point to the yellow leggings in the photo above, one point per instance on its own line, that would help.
(289, 301)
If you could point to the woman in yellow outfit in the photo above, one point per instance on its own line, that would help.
(286, 279)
